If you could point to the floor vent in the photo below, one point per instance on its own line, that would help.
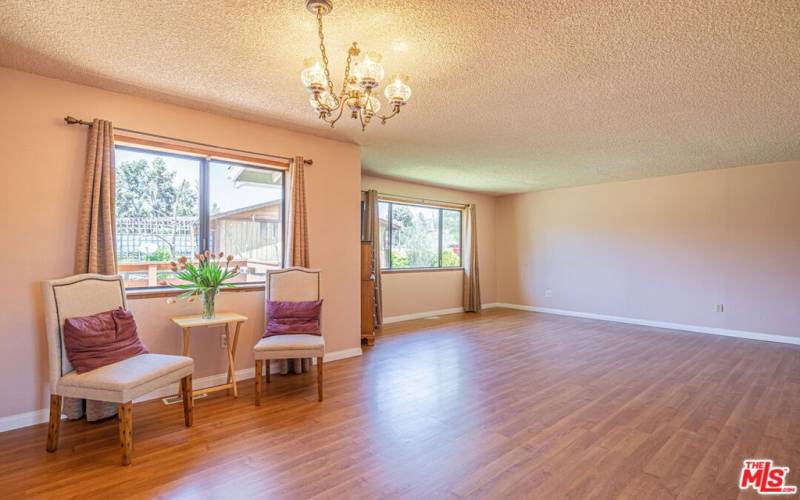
(173, 400)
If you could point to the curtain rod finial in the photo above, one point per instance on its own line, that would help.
(71, 120)
(308, 162)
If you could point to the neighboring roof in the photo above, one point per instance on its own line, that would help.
(242, 210)
(255, 176)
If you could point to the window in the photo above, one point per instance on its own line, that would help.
(171, 205)
(414, 236)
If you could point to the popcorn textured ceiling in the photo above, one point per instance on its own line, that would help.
(509, 96)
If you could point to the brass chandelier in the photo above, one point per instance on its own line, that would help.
(358, 94)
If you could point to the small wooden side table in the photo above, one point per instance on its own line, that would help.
(220, 319)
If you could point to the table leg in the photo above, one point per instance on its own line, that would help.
(259, 374)
(236, 337)
(233, 357)
(228, 351)
(231, 361)
(186, 332)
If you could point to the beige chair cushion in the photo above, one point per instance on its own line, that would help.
(290, 346)
(126, 380)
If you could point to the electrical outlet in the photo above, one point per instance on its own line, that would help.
(223, 341)
(548, 293)
(720, 308)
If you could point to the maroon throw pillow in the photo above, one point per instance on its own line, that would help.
(286, 318)
(101, 339)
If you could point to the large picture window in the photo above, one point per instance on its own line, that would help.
(170, 205)
(419, 237)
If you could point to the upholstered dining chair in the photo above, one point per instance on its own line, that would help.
(120, 382)
(290, 284)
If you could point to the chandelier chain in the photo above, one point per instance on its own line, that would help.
(347, 69)
(324, 53)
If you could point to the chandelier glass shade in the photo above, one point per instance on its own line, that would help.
(313, 75)
(363, 75)
(368, 71)
(398, 92)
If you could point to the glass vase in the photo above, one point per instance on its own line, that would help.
(209, 297)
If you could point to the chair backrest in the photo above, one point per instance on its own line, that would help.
(292, 284)
(79, 295)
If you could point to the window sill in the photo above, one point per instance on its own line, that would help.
(420, 270)
(152, 293)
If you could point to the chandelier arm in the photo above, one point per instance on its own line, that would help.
(323, 105)
(394, 113)
(324, 114)
(333, 122)
(361, 119)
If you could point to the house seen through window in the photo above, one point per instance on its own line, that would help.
(414, 236)
(170, 205)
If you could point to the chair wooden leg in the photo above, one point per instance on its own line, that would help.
(126, 431)
(55, 423)
(319, 378)
(188, 400)
(268, 367)
(259, 374)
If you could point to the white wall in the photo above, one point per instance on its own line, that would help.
(663, 249)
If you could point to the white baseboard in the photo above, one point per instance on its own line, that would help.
(742, 334)
(427, 314)
(24, 419)
(40, 416)
(343, 354)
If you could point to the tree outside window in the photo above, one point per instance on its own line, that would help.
(419, 236)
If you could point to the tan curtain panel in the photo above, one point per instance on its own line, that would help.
(372, 233)
(96, 250)
(472, 286)
(96, 243)
(296, 248)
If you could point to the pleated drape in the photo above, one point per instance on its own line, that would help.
(372, 233)
(96, 248)
(297, 223)
(472, 285)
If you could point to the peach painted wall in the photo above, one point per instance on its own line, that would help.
(418, 292)
(663, 249)
(41, 175)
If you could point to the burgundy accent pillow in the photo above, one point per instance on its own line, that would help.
(287, 317)
(101, 339)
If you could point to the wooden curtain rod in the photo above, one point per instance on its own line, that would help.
(71, 120)
(422, 201)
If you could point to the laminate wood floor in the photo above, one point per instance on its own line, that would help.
(503, 404)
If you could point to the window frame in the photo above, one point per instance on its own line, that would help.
(440, 210)
(204, 210)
